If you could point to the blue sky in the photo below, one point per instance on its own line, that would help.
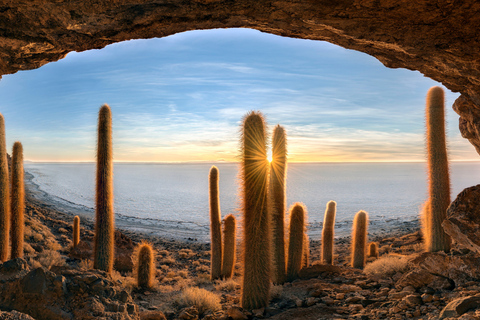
(182, 98)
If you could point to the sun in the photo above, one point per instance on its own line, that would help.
(269, 156)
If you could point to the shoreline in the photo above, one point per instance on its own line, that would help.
(195, 233)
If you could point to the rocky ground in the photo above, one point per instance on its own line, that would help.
(53, 281)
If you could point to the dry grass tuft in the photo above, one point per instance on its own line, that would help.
(386, 266)
(228, 285)
(50, 258)
(203, 278)
(202, 299)
(85, 265)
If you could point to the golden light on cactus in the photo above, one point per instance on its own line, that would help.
(145, 265)
(76, 231)
(296, 241)
(435, 208)
(17, 201)
(4, 195)
(215, 225)
(229, 246)
(328, 232)
(373, 250)
(256, 225)
(104, 215)
(359, 239)
(278, 168)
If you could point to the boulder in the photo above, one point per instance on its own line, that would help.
(463, 219)
(65, 293)
(459, 306)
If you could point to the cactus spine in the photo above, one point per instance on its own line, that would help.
(76, 231)
(104, 216)
(328, 232)
(296, 240)
(4, 195)
(435, 210)
(17, 201)
(256, 247)
(215, 226)
(359, 239)
(373, 250)
(229, 246)
(277, 189)
(145, 266)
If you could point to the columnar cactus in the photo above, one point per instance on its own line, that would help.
(145, 266)
(359, 239)
(435, 209)
(229, 246)
(328, 232)
(4, 195)
(277, 190)
(17, 201)
(373, 250)
(256, 230)
(306, 251)
(76, 231)
(215, 226)
(296, 242)
(104, 215)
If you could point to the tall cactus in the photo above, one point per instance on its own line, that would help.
(306, 251)
(435, 209)
(17, 201)
(145, 266)
(104, 215)
(76, 231)
(359, 239)
(4, 195)
(256, 238)
(277, 190)
(328, 232)
(296, 241)
(229, 246)
(215, 225)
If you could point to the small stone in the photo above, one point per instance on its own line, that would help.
(188, 314)
(236, 313)
(310, 301)
(328, 300)
(417, 313)
(353, 299)
(394, 310)
(398, 295)
(258, 312)
(409, 289)
(299, 302)
(426, 298)
(413, 300)
(340, 296)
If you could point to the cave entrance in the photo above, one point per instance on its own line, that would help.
(181, 98)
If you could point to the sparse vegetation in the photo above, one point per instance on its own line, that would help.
(202, 299)
(386, 266)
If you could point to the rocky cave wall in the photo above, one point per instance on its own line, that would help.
(441, 39)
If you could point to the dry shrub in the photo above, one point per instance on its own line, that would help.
(226, 285)
(50, 258)
(168, 260)
(196, 263)
(171, 274)
(164, 252)
(183, 274)
(202, 299)
(63, 230)
(203, 269)
(202, 278)
(164, 268)
(183, 255)
(386, 266)
(85, 264)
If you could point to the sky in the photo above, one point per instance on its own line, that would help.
(182, 98)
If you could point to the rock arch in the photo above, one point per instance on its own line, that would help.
(438, 38)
